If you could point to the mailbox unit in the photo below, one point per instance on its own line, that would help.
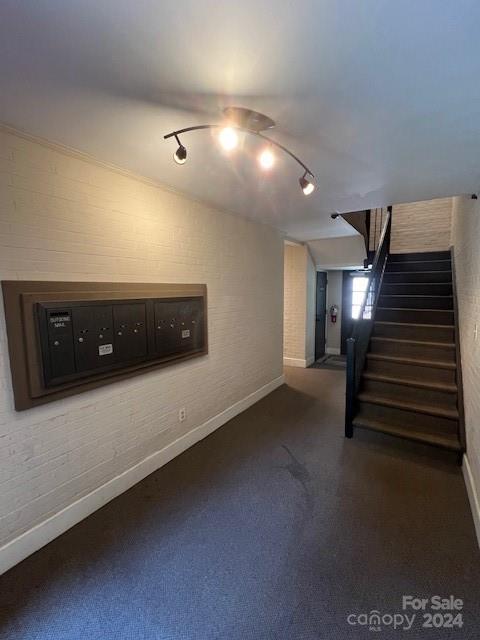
(67, 337)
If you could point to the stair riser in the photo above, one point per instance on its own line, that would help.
(415, 372)
(419, 276)
(435, 265)
(417, 316)
(406, 332)
(408, 350)
(409, 419)
(412, 394)
(427, 256)
(415, 302)
(417, 289)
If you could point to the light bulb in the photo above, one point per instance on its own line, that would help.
(266, 159)
(180, 155)
(228, 138)
(307, 186)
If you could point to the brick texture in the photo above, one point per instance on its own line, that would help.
(299, 303)
(63, 217)
(466, 240)
(421, 226)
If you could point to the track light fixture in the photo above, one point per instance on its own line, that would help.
(180, 155)
(248, 121)
(306, 185)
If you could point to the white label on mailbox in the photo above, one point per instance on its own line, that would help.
(186, 333)
(105, 349)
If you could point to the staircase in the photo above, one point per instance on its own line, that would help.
(408, 385)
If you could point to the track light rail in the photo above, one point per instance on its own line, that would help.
(175, 134)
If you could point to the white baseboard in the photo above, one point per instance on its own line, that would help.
(27, 543)
(332, 351)
(472, 495)
(295, 362)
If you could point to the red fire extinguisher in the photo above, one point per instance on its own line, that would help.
(333, 313)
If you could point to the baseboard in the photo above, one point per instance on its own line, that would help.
(295, 362)
(472, 495)
(332, 351)
(38, 536)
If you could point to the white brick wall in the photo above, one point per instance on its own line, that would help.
(466, 242)
(299, 305)
(421, 226)
(63, 217)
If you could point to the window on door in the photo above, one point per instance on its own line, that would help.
(359, 286)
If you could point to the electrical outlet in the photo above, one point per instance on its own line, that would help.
(182, 414)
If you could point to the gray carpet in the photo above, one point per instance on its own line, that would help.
(273, 528)
(330, 362)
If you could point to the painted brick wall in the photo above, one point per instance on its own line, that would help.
(299, 306)
(63, 217)
(295, 302)
(310, 317)
(421, 226)
(466, 242)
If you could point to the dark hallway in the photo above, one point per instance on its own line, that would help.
(274, 527)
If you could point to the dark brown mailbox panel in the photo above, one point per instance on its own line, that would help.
(67, 337)
(178, 326)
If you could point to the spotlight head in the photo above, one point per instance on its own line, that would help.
(266, 159)
(306, 186)
(228, 138)
(180, 155)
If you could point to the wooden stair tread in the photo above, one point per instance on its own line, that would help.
(429, 310)
(411, 272)
(425, 260)
(419, 343)
(432, 410)
(420, 284)
(411, 382)
(413, 295)
(414, 324)
(443, 441)
(441, 364)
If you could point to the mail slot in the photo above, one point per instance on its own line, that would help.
(59, 354)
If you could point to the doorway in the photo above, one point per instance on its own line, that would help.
(354, 287)
(320, 312)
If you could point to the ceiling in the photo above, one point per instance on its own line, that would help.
(380, 98)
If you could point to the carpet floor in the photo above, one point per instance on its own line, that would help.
(273, 528)
(330, 362)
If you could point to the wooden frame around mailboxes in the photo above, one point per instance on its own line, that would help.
(20, 298)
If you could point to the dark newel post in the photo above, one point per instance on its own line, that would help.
(350, 394)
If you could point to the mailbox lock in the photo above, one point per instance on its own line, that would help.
(135, 331)
(119, 333)
(100, 335)
(56, 343)
(80, 339)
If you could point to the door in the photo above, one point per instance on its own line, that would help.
(321, 303)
